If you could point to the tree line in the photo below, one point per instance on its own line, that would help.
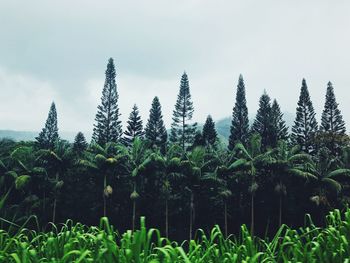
(187, 179)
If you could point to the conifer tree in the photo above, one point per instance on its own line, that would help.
(240, 122)
(108, 126)
(49, 134)
(209, 133)
(279, 127)
(332, 119)
(134, 128)
(181, 131)
(305, 124)
(332, 130)
(262, 123)
(155, 131)
(80, 144)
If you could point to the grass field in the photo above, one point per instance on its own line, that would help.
(78, 243)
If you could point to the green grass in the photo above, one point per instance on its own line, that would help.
(79, 243)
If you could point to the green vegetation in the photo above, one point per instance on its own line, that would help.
(265, 179)
(75, 242)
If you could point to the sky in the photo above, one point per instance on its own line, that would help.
(58, 51)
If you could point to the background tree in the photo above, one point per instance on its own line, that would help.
(305, 124)
(49, 134)
(279, 127)
(134, 128)
(108, 126)
(209, 134)
(80, 144)
(240, 122)
(181, 131)
(332, 127)
(155, 131)
(262, 123)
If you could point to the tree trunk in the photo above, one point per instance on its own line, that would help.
(252, 215)
(166, 219)
(133, 215)
(104, 196)
(55, 203)
(225, 215)
(54, 210)
(104, 204)
(280, 212)
(191, 216)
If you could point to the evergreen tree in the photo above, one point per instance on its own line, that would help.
(181, 131)
(240, 122)
(108, 126)
(134, 128)
(305, 124)
(262, 123)
(332, 119)
(49, 134)
(209, 133)
(279, 127)
(332, 130)
(155, 131)
(80, 144)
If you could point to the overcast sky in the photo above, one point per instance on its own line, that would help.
(58, 50)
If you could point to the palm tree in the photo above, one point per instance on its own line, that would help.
(27, 169)
(327, 175)
(104, 160)
(192, 167)
(249, 160)
(222, 160)
(138, 157)
(58, 162)
(287, 162)
(169, 168)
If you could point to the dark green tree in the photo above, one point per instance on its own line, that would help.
(279, 127)
(155, 131)
(332, 119)
(262, 123)
(134, 128)
(80, 144)
(332, 129)
(305, 124)
(240, 121)
(209, 133)
(181, 131)
(108, 126)
(49, 134)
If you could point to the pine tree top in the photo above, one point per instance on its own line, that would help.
(332, 120)
(49, 134)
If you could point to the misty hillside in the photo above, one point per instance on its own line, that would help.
(222, 127)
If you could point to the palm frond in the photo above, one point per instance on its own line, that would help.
(333, 184)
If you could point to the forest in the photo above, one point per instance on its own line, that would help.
(269, 177)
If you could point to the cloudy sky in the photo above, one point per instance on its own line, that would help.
(58, 50)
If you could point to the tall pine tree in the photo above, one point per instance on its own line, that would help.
(209, 133)
(332, 119)
(155, 131)
(279, 127)
(134, 128)
(108, 126)
(262, 123)
(182, 132)
(240, 122)
(332, 129)
(305, 124)
(49, 134)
